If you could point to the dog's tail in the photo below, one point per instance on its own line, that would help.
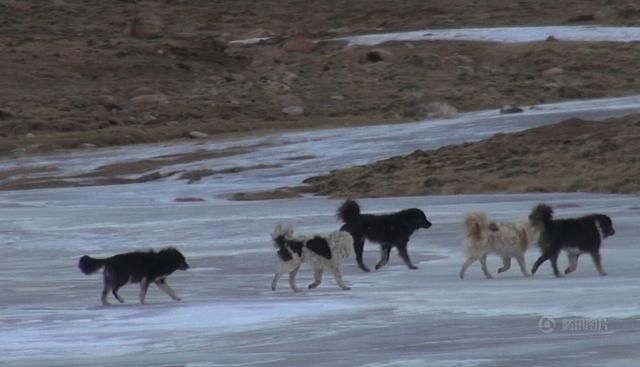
(280, 233)
(341, 244)
(348, 211)
(89, 265)
(474, 224)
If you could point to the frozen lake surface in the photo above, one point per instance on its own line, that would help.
(504, 34)
(50, 313)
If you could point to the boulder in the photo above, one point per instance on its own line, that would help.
(293, 110)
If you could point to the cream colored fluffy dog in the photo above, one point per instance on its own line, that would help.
(321, 252)
(505, 239)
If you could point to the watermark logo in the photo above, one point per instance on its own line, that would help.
(548, 325)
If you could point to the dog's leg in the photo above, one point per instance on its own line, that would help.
(144, 285)
(164, 286)
(595, 255)
(506, 264)
(292, 280)
(105, 293)
(317, 278)
(573, 263)
(523, 265)
(358, 247)
(554, 265)
(466, 265)
(485, 269)
(544, 257)
(115, 294)
(384, 256)
(402, 251)
(337, 273)
(106, 279)
(276, 277)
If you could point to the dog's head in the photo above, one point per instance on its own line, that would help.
(174, 258)
(540, 215)
(604, 225)
(281, 233)
(418, 218)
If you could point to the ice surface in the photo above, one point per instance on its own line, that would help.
(50, 313)
(504, 35)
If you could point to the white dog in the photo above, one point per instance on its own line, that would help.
(321, 252)
(505, 239)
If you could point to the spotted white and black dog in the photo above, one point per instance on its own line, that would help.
(321, 252)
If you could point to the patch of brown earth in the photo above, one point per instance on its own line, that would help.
(571, 156)
(100, 73)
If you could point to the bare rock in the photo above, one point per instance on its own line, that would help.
(300, 44)
(197, 135)
(509, 108)
(150, 99)
(293, 110)
(552, 72)
(436, 110)
(146, 25)
(287, 100)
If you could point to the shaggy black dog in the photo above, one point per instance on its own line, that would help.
(389, 230)
(575, 235)
(136, 267)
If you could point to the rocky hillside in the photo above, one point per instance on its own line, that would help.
(572, 156)
(79, 74)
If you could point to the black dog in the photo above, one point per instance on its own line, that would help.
(136, 267)
(389, 230)
(574, 235)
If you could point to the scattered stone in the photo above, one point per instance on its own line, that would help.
(287, 100)
(293, 110)
(551, 39)
(436, 110)
(144, 26)
(552, 72)
(377, 55)
(300, 44)
(508, 108)
(87, 146)
(582, 18)
(197, 135)
(173, 123)
(150, 99)
(30, 135)
(4, 114)
(337, 97)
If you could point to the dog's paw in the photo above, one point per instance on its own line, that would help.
(567, 271)
(298, 290)
(604, 273)
(346, 288)
(413, 267)
(501, 270)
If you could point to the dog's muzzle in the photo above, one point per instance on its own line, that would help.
(183, 266)
(427, 225)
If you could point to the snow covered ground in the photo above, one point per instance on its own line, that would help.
(50, 314)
